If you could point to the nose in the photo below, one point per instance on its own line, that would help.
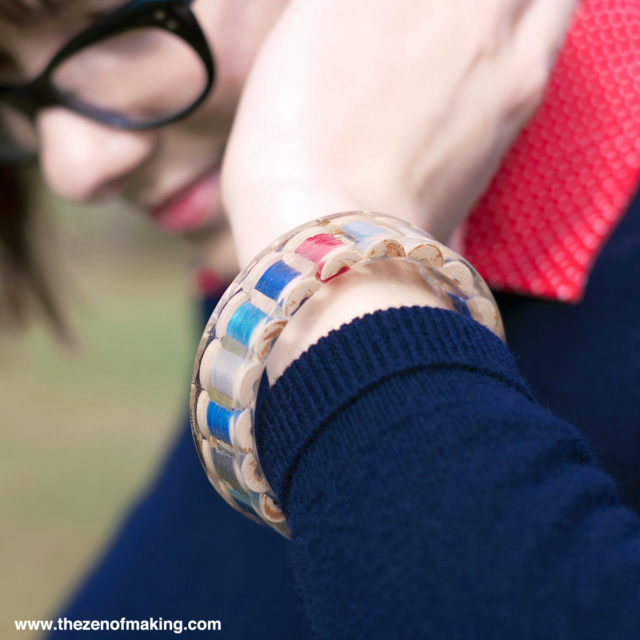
(84, 160)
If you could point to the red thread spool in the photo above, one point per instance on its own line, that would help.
(317, 247)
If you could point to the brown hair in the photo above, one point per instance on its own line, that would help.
(23, 285)
(20, 12)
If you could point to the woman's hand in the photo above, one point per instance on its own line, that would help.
(399, 106)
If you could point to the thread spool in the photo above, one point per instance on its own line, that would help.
(229, 310)
(225, 466)
(251, 476)
(242, 501)
(244, 322)
(249, 324)
(362, 228)
(218, 419)
(423, 251)
(275, 278)
(330, 254)
(484, 312)
(270, 510)
(221, 487)
(305, 267)
(208, 358)
(460, 305)
(258, 269)
(460, 274)
(261, 302)
(243, 432)
(372, 240)
(296, 240)
(208, 462)
(201, 414)
(378, 247)
(284, 283)
(297, 293)
(220, 468)
(232, 377)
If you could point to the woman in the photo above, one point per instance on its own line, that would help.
(497, 532)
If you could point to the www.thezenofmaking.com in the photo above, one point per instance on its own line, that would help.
(152, 624)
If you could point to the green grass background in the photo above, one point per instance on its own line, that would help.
(82, 432)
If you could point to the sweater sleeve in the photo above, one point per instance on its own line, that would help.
(431, 496)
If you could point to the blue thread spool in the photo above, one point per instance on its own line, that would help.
(363, 229)
(244, 322)
(242, 501)
(275, 279)
(218, 421)
(224, 464)
(233, 378)
(373, 241)
(223, 372)
(459, 304)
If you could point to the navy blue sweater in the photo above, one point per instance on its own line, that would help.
(429, 492)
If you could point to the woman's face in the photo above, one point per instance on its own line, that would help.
(172, 172)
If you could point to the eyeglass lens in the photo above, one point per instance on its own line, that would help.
(17, 132)
(142, 77)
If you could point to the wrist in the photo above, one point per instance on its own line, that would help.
(268, 295)
(370, 288)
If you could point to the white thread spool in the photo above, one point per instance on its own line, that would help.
(460, 274)
(270, 510)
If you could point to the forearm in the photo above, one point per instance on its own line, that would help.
(430, 495)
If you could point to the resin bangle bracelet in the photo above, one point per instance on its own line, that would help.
(231, 357)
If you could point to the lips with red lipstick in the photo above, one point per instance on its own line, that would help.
(192, 206)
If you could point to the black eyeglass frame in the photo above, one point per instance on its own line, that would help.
(174, 16)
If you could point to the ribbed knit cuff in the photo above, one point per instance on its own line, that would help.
(360, 354)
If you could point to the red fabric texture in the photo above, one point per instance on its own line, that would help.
(570, 175)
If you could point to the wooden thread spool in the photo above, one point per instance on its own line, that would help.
(372, 240)
(220, 466)
(208, 358)
(231, 376)
(270, 510)
(484, 312)
(292, 244)
(330, 255)
(214, 419)
(229, 310)
(284, 283)
(215, 481)
(242, 501)
(460, 274)
(423, 251)
(251, 476)
(243, 432)
(208, 461)
(253, 328)
(460, 305)
(256, 271)
(416, 244)
(379, 247)
(244, 322)
(201, 414)
(261, 302)
(225, 466)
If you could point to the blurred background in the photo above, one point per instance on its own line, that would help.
(84, 430)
